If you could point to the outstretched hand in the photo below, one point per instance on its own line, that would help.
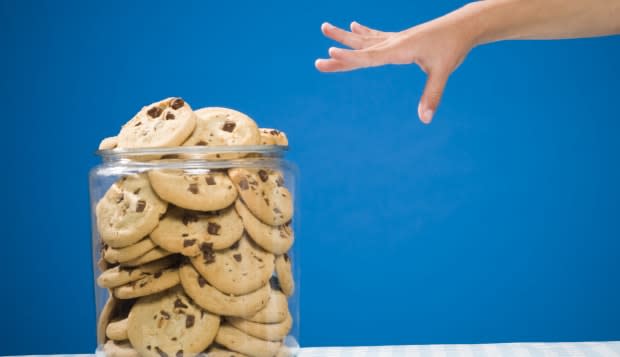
(438, 47)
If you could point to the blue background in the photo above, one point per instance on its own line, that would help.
(498, 222)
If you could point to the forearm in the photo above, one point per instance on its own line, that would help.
(496, 20)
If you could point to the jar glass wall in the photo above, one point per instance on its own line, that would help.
(193, 252)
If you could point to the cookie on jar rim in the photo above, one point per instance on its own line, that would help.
(275, 239)
(194, 190)
(215, 301)
(240, 269)
(184, 231)
(128, 211)
(171, 324)
(273, 137)
(264, 194)
(218, 126)
(166, 123)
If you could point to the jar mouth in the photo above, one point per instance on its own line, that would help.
(201, 152)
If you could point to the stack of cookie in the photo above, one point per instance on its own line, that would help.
(195, 260)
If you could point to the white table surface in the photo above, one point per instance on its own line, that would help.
(580, 349)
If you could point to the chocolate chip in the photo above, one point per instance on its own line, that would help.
(154, 112)
(157, 274)
(276, 210)
(280, 181)
(120, 199)
(275, 283)
(137, 191)
(189, 218)
(179, 352)
(185, 235)
(140, 206)
(165, 314)
(201, 143)
(274, 132)
(243, 184)
(201, 281)
(148, 347)
(170, 156)
(178, 303)
(237, 257)
(229, 126)
(173, 339)
(170, 116)
(189, 321)
(263, 175)
(257, 258)
(160, 352)
(188, 242)
(138, 123)
(286, 257)
(193, 188)
(213, 228)
(207, 252)
(177, 103)
(210, 180)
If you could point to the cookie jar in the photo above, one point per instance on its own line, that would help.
(193, 252)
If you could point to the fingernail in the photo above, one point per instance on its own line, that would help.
(427, 116)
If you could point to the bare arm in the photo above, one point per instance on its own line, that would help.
(440, 46)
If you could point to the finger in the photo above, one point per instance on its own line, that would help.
(360, 29)
(337, 34)
(431, 97)
(368, 57)
(331, 65)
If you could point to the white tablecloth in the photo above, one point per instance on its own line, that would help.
(595, 349)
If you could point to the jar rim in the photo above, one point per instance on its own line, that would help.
(127, 153)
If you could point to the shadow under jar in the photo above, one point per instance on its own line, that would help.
(193, 252)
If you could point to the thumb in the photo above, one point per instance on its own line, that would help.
(435, 84)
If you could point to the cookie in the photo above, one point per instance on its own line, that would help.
(170, 324)
(151, 255)
(150, 284)
(162, 124)
(128, 211)
(285, 274)
(119, 349)
(183, 231)
(108, 143)
(217, 351)
(237, 340)
(263, 192)
(269, 332)
(216, 301)
(275, 239)
(204, 191)
(117, 330)
(223, 127)
(121, 275)
(273, 137)
(275, 311)
(114, 309)
(238, 270)
(130, 252)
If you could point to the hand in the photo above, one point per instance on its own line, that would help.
(438, 47)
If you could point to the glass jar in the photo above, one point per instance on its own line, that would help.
(193, 252)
